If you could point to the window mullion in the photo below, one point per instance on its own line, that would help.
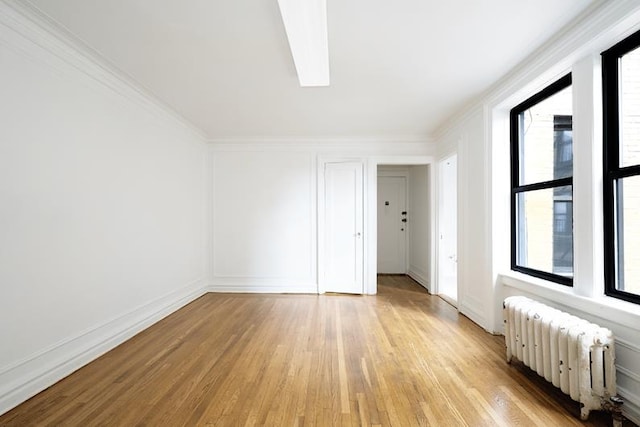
(587, 166)
(544, 185)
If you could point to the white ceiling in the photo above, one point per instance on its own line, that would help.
(398, 68)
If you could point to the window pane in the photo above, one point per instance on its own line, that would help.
(545, 230)
(630, 108)
(628, 239)
(546, 139)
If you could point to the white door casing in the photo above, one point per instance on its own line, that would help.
(343, 216)
(392, 231)
(447, 229)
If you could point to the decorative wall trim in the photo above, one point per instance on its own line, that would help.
(629, 346)
(419, 276)
(627, 373)
(30, 376)
(32, 24)
(224, 275)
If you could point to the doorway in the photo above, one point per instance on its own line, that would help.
(392, 224)
(404, 221)
(448, 229)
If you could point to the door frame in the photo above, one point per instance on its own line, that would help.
(320, 206)
(439, 201)
(371, 213)
(399, 173)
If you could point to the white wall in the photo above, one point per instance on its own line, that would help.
(264, 221)
(420, 218)
(101, 209)
(481, 136)
(475, 289)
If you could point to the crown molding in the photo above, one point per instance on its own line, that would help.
(590, 31)
(327, 140)
(370, 145)
(32, 24)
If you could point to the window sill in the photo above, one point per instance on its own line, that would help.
(602, 306)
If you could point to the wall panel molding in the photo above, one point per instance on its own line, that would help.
(264, 218)
(629, 346)
(628, 374)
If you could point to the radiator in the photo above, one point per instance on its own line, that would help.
(573, 354)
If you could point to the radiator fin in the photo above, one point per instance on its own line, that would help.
(573, 354)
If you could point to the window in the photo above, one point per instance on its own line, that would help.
(562, 196)
(621, 94)
(542, 184)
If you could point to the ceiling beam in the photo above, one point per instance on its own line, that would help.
(305, 22)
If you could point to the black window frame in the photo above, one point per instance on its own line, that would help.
(517, 188)
(562, 223)
(612, 171)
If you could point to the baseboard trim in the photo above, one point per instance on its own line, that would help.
(449, 300)
(420, 278)
(29, 377)
(630, 408)
(258, 289)
(473, 314)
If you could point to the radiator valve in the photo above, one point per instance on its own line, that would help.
(614, 405)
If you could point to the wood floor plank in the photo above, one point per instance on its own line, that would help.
(401, 358)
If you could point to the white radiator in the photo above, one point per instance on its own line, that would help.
(573, 354)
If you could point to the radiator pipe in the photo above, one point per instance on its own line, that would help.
(614, 405)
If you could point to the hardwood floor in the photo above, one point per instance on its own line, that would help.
(401, 358)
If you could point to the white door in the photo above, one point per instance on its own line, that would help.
(448, 229)
(392, 224)
(343, 228)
